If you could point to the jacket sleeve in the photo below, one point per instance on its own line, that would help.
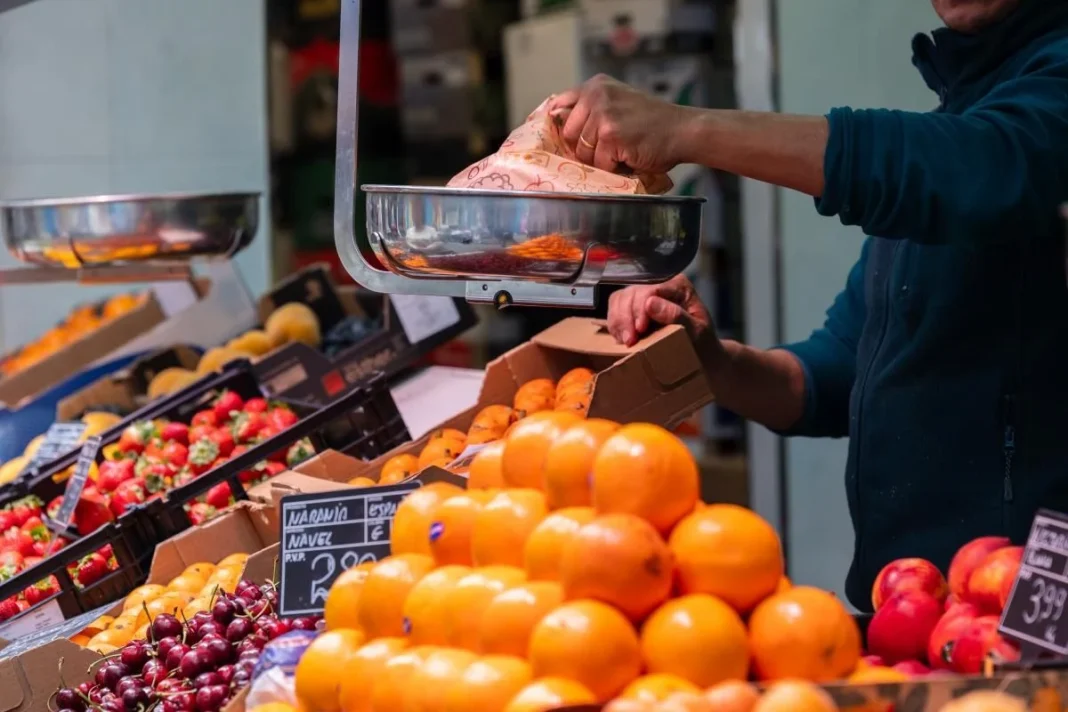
(998, 170)
(829, 359)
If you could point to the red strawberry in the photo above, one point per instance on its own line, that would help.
(256, 405)
(20, 541)
(53, 507)
(219, 496)
(153, 450)
(299, 452)
(91, 512)
(41, 590)
(7, 520)
(202, 455)
(23, 510)
(113, 473)
(30, 561)
(175, 432)
(281, 418)
(223, 440)
(128, 494)
(91, 569)
(9, 608)
(182, 478)
(106, 551)
(136, 436)
(273, 468)
(200, 432)
(11, 558)
(175, 453)
(226, 405)
(200, 512)
(204, 417)
(247, 426)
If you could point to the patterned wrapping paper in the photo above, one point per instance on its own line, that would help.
(536, 158)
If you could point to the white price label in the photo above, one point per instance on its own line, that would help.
(32, 621)
(422, 317)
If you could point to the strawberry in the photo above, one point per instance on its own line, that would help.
(53, 507)
(223, 440)
(7, 520)
(91, 569)
(128, 494)
(202, 455)
(91, 512)
(113, 473)
(281, 418)
(41, 590)
(23, 509)
(218, 496)
(30, 561)
(227, 405)
(183, 477)
(273, 468)
(153, 450)
(136, 436)
(256, 405)
(200, 512)
(299, 452)
(9, 608)
(175, 432)
(175, 453)
(12, 558)
(200, 432)
(107, 552)
(247, 426)
(19, 541)
(204, 417)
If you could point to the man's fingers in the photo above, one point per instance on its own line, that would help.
(675, 290)
(564, 100)
(666, 312)
(620, 317)
(604, 156)
(587, 143)
(576, 122)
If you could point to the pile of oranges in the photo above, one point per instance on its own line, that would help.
(570, 395)
(578, 567)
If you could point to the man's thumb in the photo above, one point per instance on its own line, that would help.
(662, 311)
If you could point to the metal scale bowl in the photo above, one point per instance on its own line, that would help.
(124, 238)
(503, 247)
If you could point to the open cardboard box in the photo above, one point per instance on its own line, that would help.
(82, 352)
(658, 380)
(325, 472)
(28, 680)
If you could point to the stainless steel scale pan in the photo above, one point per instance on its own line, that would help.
(504, 247)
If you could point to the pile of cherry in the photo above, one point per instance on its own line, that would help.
(193, 666)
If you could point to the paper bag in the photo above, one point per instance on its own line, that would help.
(536, 158)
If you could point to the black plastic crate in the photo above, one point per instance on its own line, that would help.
(237, 376)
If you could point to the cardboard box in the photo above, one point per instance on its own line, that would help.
(28, 680)
(78, 354)
(658, 380)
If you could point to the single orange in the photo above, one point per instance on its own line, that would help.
(511, 616)
(485, 471)
(363, 669)
(698, 638)
(727, 551)
(645, 470)
(589, 642)
(621, 560)
(795, 696)
(503, 525)
(450, 433)
(548, 694)
(534, 396)
(451, 529)
(424, 607)
(876, 674)
(429, 685)
(411, 522)
(732, 696)
(569, 462)
(528, 443)
(574, 400)
(466, 602)
(545, 545)
(656, 687)
(393, 477)
(492, 418)
(343, 600)
(685, 702)
(624, 704)
(363, 482)
(440, 450)
(803, 633)
(581, 377)
(400, 466)
(391, 685)
(387, 585)
(488, 684)
(317, 680)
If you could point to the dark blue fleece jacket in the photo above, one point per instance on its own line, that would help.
(945, 359)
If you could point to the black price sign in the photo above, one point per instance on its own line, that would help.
(298, 372)
(312, 287)
(60, 439)
(323, 534)
(76, 484)
(1035, 612)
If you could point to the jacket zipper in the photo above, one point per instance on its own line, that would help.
(1008, 448)
(861, 391)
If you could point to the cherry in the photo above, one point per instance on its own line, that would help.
(130, 682)
(239, 629)
(215, 650)
(192, 664)
(223, 611)
(165, 625)
(84, 688)
(96, 695)
(256, 641)
(207, 679)
(249, 656)
(172, 684)
(69, 699)
(211, 698)
(305, 623)
(135, 698)
(134, 655)
(110, 673)
(113, 704)
(212, 628)
(184, 701)
(274, 628)
(225, 673)
(241, 678)
(164, 646)
(153, 673)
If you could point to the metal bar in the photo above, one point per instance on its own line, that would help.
(96, 275)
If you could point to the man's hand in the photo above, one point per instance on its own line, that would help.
(632, 310)
(611, 125)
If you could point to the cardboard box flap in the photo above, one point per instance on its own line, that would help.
(11, 684)
(28, 680)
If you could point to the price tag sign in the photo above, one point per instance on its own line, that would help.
(1035, 613)
(77, 481)
(323, 534)
(60, 439)
(43, 625)
(421, 317)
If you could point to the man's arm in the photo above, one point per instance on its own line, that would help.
(802, 388)
(996, 170)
